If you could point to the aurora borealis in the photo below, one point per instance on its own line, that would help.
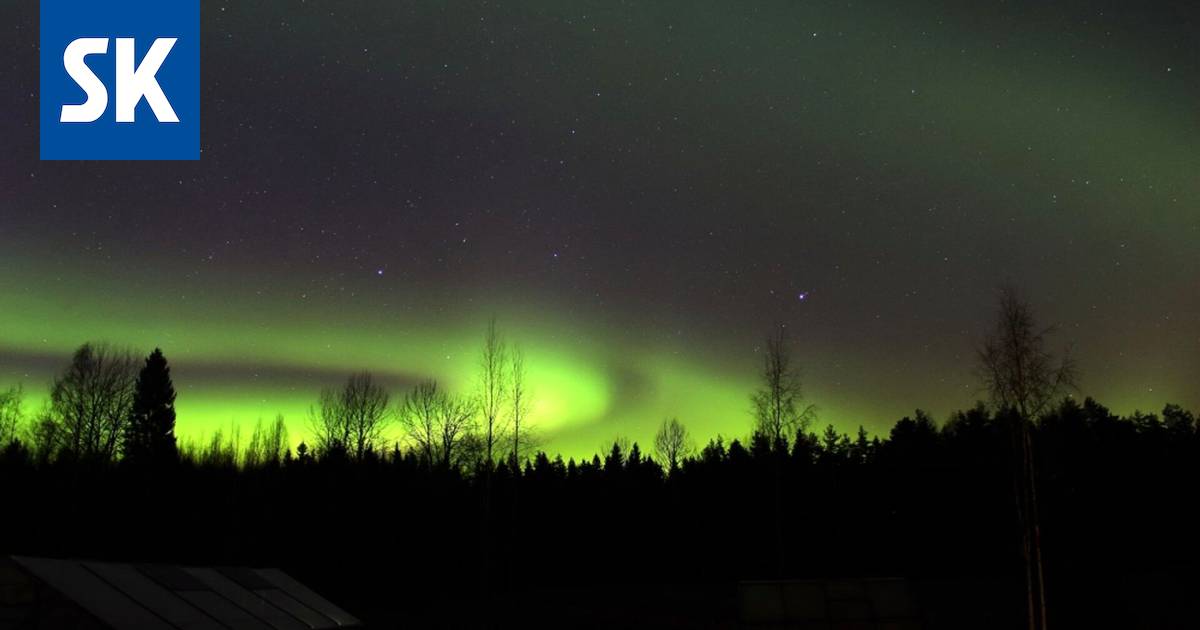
(638, 192)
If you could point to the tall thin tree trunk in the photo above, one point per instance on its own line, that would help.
(486, 537)
(778, 514)
(1035, 530)
(1025, 493)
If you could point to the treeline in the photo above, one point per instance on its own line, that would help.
(105, 408)
(398, 540)
(1032, 504)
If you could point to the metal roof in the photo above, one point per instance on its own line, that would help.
(163, 597)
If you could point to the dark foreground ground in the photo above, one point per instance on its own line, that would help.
(1149, 601)
(618, 542)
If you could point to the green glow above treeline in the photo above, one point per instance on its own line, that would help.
(248, 357)
(240, 354)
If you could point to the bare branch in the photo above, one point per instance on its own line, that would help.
(779, 409)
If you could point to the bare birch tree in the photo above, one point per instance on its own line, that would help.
(518, 405)
(438, 426)
(418, 416)
(456, 431)
(779, 409)
(1023, 377)
(353, 418)
(91, 399)
(1017, 369)
(672, 443)
(10, 414)
(493, 391)
(267, 445)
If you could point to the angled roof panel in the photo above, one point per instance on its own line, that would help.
(294, 608)
(247, 578)
(307, 597)
(155, 598)
(245, 599)
(172, 578)
(162, 597)
(96, 596)
(225, 611)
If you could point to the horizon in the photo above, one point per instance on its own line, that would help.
(219, 404)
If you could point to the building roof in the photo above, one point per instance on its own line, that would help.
(164, 597)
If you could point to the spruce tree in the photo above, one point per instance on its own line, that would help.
(150, 432)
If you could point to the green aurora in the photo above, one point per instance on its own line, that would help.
(239, 360)
(897, 159)
(250, 357)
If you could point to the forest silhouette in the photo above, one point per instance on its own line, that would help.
(1023, 511)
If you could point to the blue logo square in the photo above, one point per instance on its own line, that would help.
(129, 91)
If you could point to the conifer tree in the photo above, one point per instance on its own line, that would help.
(150, 432)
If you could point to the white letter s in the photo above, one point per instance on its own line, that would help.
(97, 95)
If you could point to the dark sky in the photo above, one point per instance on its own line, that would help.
(638, 192)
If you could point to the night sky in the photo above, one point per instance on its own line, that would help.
(638, 192)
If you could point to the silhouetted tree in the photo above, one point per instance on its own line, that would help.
(418, 417)
(91, 401)
(835, 447)
(45, 438)
(737, 453)
(222, 452)
(352, 419)
(491, 401)
(268, 444)
(10, 414)
(518, 404)
(805, 448)
(642, 471)
(672, 443)
(913, 441)
(302, 455)
(494, 389)
(150, 431)
(779, 412)
(861, 451)
(635, 457)
(1017, 369)
(779, 409)
(438, 425)
(1179, 422)
(614, 462)
(1023, 376)
(714, 452)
